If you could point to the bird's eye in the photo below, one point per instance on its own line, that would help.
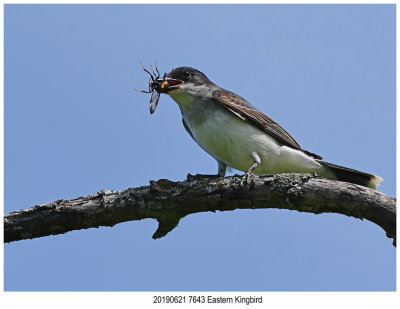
(186, 75)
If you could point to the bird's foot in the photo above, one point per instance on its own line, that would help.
(248, 178)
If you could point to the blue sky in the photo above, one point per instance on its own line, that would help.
(74, 125)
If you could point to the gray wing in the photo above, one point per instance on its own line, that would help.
(239, 105)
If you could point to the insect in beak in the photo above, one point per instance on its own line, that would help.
(168, 84)
(154, 86)
(159, 85)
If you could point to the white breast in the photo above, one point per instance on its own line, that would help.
(232, 140)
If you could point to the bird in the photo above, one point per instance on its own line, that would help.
(238, 135)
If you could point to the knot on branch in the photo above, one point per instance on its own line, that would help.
(162, 185)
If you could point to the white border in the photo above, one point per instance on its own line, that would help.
(129, 300)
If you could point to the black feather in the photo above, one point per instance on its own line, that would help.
(350, 175)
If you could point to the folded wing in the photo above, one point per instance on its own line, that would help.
(236, 103)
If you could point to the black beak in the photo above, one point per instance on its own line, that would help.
(164, 85)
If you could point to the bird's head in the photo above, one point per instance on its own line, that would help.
(182, 79)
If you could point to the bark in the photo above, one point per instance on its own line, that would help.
(169, 201)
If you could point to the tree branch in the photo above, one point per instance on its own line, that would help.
(169, 201)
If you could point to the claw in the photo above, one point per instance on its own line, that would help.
(248, 178)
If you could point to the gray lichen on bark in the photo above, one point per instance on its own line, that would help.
(168, 202)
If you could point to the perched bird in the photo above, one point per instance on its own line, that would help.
(238, 135)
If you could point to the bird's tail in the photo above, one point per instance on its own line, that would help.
(349, 175)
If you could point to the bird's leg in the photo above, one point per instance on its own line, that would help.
(248, 177)
(221, 169)
(221, 173)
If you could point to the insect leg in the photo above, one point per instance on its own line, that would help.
(158, 73)
(147, 71)
(153, 70)
(143, 91)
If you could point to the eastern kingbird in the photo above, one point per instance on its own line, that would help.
(238, 135)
